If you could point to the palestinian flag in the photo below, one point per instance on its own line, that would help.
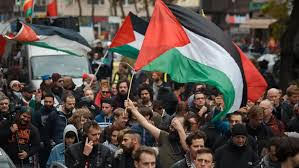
(51, 37)
(192, 49)
(28, 8)
(52, 8)
(129, 38)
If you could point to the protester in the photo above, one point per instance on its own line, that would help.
(20, 139)
(89, 152)
(70, 136)
(145, 157)
(236, 153)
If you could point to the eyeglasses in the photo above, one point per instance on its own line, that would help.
(104, 92)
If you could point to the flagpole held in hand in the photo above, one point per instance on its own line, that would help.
(131, 81)
(100, 64)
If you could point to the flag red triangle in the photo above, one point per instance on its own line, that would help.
(256, 84)
(26, 34)
(163, 33)
(125, 34)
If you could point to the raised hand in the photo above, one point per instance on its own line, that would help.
(88, 147)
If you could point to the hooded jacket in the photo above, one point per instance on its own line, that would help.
(57, 153)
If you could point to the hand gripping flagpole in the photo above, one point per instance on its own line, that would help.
(100, 64)
(131, 81)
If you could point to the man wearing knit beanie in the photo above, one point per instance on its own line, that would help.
(236, 153)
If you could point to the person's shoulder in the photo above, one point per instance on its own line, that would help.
(179, 164)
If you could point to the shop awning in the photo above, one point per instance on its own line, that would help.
(257, 23)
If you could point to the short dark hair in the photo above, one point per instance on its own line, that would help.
(107, 101)
(146, 111)
(288, 147)
(195, 135)
(157, 104)
(255, 111)
(205, 151)
(234, 113)
(49, 95)
(90, 124)
(144, 149)
(134, 133)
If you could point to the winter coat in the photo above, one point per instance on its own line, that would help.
(56, 123)
(123, 160)
(184, 163)
(28, 140)
(57, 153)
(233, 156)
(101, 156)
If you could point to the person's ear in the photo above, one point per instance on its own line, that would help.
(136, 164)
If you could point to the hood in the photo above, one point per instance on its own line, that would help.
(68, 128)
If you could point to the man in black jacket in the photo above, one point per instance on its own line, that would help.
(89, 153)
(236, 153)
(195, 142)
(130, 143)
(20, 139)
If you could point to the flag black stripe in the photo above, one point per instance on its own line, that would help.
(139, 25)
(203, 27)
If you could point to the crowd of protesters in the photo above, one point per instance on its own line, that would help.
(160, 124)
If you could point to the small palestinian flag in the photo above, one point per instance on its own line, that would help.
(28, 8)
(190, 48)
(129, 38)
(51, 37)
(52, 8)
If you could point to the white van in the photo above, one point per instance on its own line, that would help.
(42, 61)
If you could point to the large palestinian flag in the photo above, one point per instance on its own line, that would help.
(51, 37)
(192, 49)
(129, 38)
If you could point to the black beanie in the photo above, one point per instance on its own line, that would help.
(239, 129)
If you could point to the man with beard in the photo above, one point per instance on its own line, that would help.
(57, 120)
(68, 84)
(70, 136)
(119, 99)
(39, 120)
(172, 145)
(146, 96)
(89, 153)
(130, 143)
(195, 142)
(20, 139)
(236, 153)
(57, 86)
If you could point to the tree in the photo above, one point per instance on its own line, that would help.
(289, 69)
(80, 7)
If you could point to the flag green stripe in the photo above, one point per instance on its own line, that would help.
(126, 50)
(183, 70)
(45, 45)
(28, 12)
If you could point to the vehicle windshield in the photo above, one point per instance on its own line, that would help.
(66, 65)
